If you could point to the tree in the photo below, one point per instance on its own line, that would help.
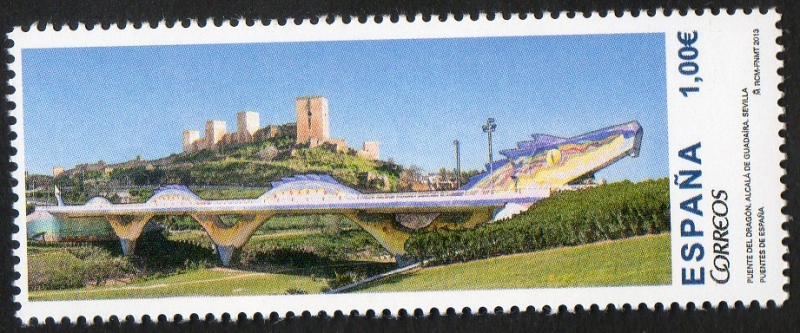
(444, 174)
(100, 267)
(409, 175)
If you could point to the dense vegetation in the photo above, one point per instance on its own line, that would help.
(248, 165)
(277, 223)
(74, 267)
(567, 218)
(253, 165)
(65, 265)
(337, 255)
(300, 247)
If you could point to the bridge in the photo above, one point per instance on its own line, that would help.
(526, 176)
(389, 217)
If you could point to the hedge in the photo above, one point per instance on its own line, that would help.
(567, 218)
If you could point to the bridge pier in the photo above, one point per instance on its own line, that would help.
(403, 260)
(225, 253)
(385, 232)
(128, 246)
(229, 239)
(129, 232)
(393, 237)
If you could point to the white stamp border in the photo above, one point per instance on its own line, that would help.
(338, 31)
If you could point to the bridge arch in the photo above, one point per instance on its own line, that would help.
(390, 225)
(173, 194)
(310, 186)
(386, 228)
(98, 202)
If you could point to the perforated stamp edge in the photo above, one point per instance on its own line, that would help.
(402, 29)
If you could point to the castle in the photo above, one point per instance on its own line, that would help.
(312, 128)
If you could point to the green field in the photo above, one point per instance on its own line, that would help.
(203, 282)
(635, 261)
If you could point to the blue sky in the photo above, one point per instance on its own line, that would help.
(413, 96)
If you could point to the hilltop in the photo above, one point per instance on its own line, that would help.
(253, 165)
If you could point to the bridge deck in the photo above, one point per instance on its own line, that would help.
(382, 202)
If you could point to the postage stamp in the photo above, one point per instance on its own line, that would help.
(410, 164)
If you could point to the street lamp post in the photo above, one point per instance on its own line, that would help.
(458, 164)
(488, 129)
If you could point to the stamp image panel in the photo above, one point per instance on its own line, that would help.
(403, 165)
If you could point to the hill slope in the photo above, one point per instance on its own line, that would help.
(248, 165)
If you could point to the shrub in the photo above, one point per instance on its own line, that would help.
(267, 257)
(54, 270)
(295, 291)
(178, 223)
(341, 280)
(83, 252)
(341, 245)
(76, 267)
(102, 267)
(568, 218)
(155, 252)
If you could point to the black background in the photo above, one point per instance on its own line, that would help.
(737, 317)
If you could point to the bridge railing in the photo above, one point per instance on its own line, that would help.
(301, 198)
(320, 198)
(535, 191)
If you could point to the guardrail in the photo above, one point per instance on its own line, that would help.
(531, 190)
(322, 198)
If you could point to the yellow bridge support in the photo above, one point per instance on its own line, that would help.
(385, 232)
(128, 232)
(229, 239)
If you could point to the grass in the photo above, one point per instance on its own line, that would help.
(295, 222)
(203, 282)
(192, 276)
(35, 250)
(285, 233)
(635, 261)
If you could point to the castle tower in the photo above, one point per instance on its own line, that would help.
(189, 138)
(247, 123)
(312, 119)
(370, 151)
(215, 130)
(371, 147)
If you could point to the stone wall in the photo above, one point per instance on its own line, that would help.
(370, 150)
(312, 128)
